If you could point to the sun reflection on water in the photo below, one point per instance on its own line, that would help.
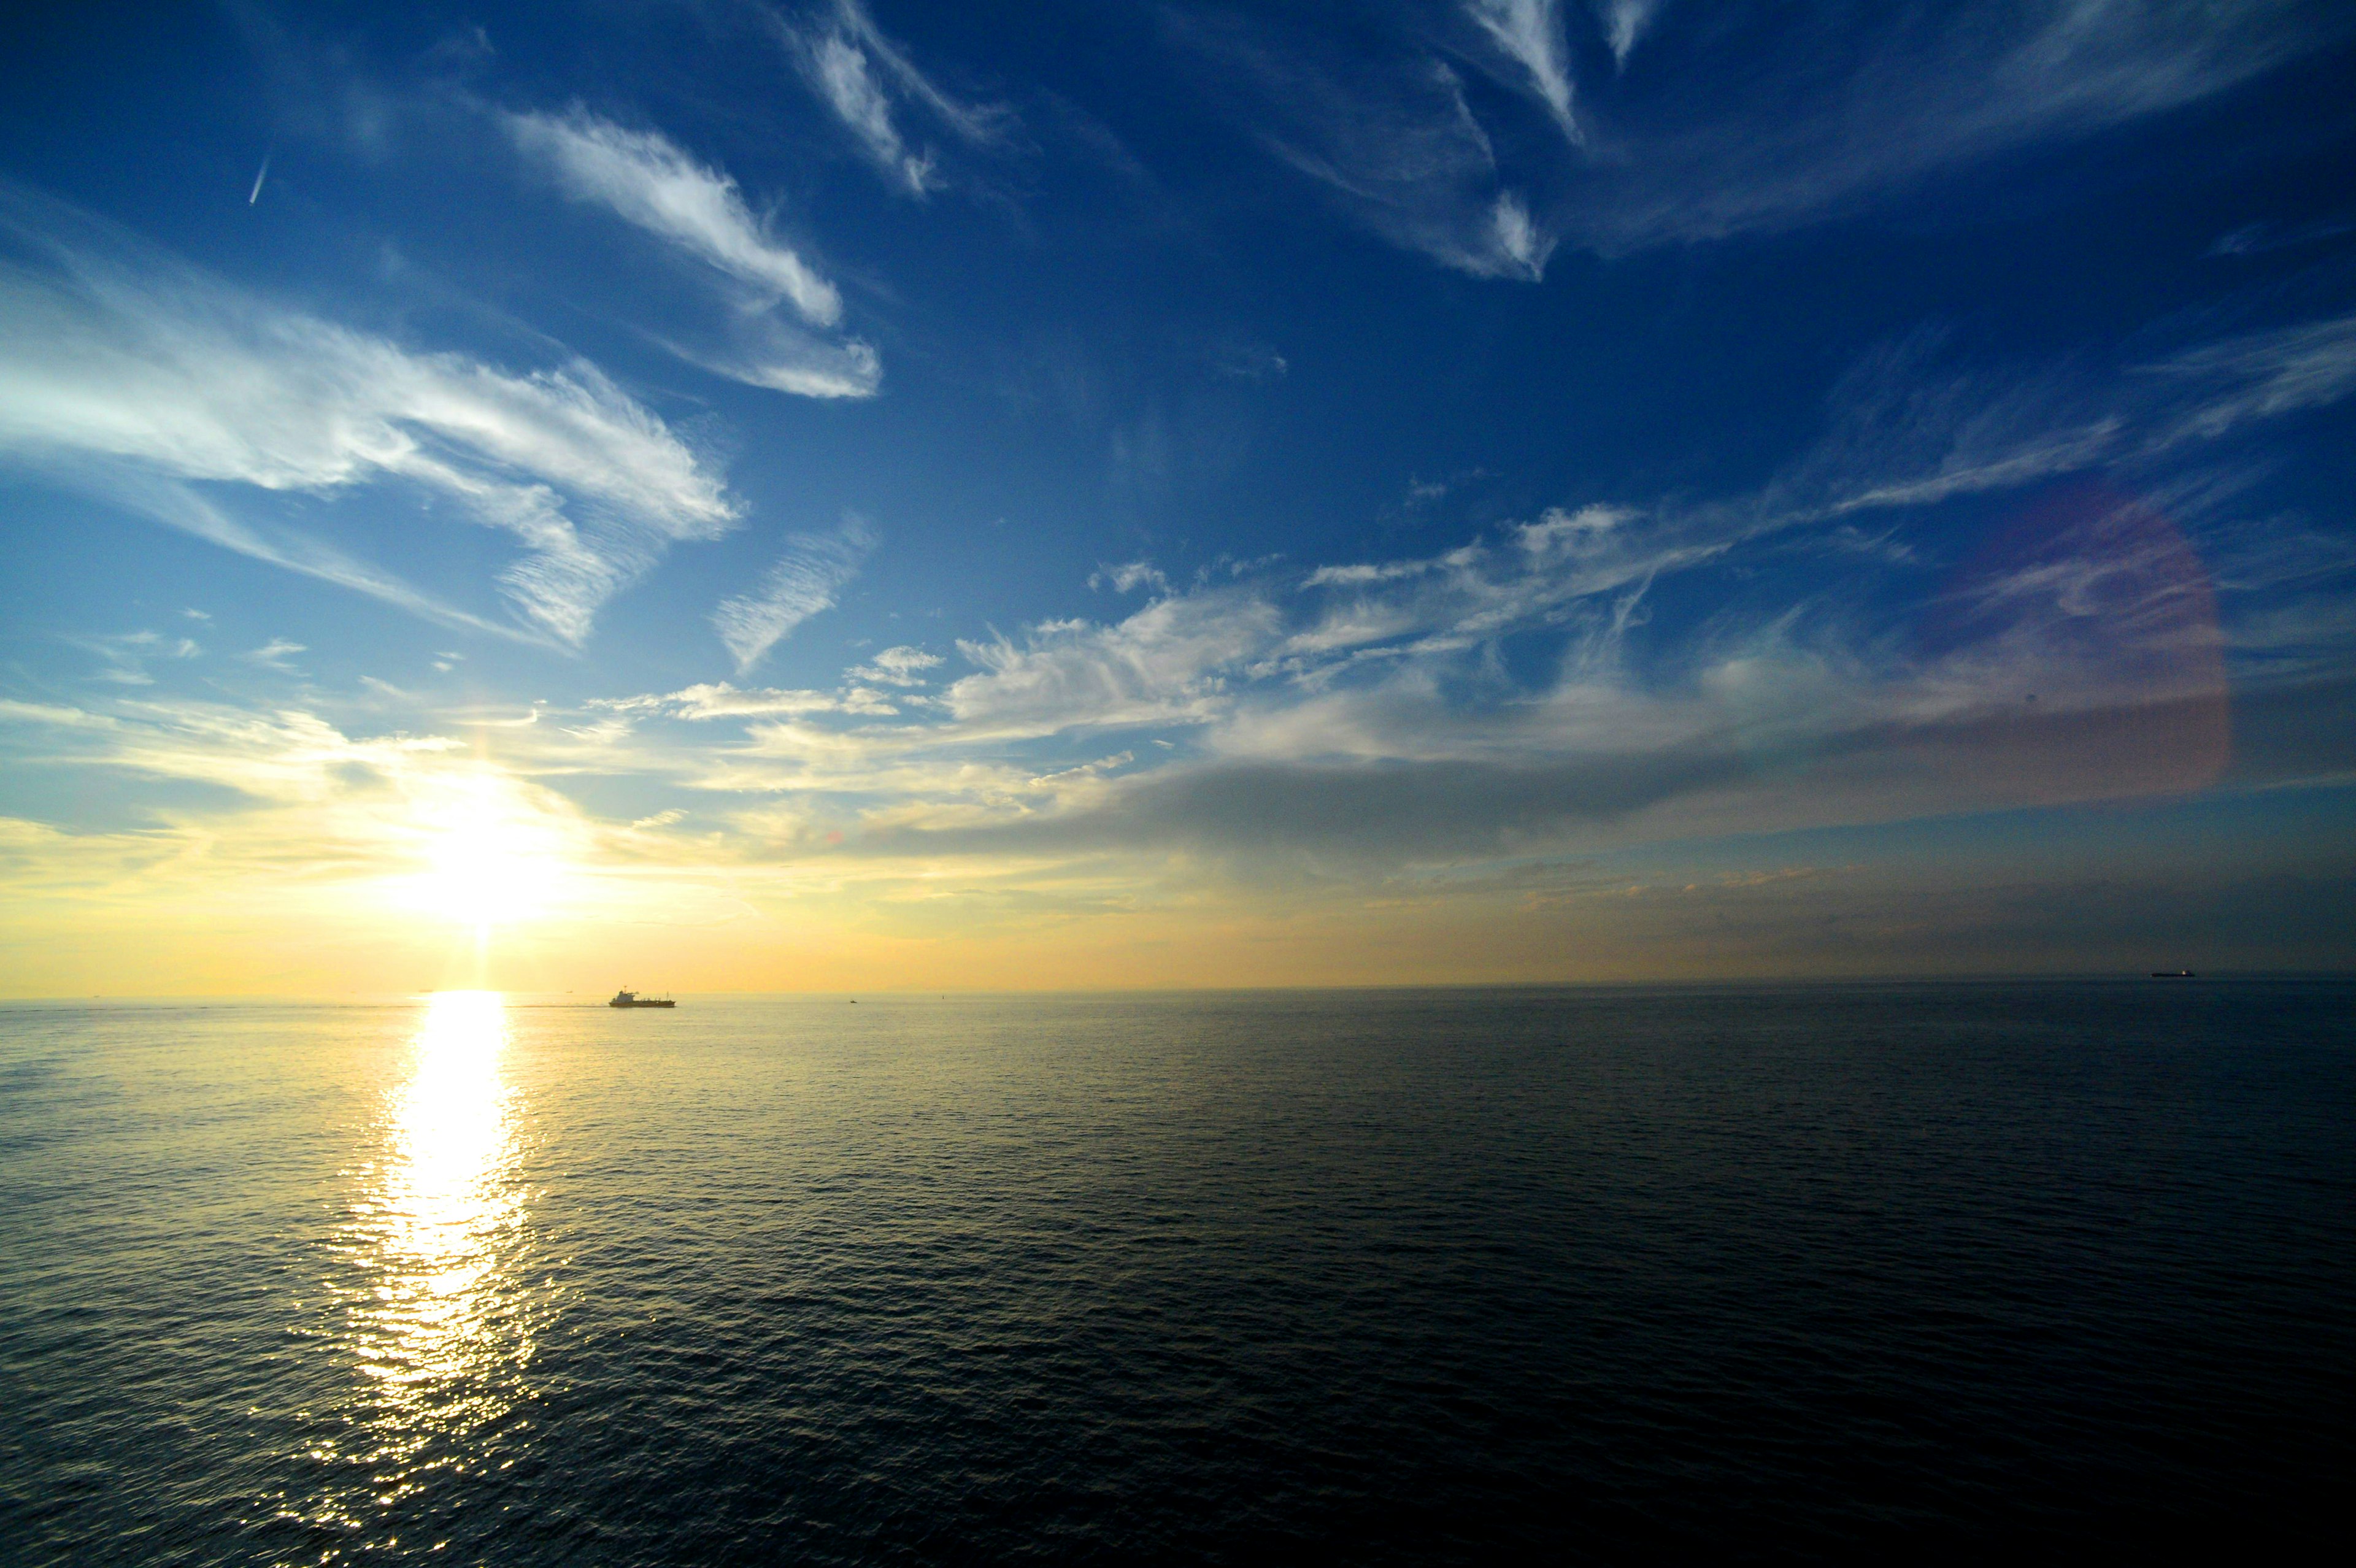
(437, 1315)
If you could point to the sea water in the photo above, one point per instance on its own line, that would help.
(1374, 1277)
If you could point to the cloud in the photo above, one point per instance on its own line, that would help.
(137, 378)
(1599, 675)
(802, 582)
(1832, 108)
(179, 505)
(1521, 245)
(1363, 714)
(897, 666)
(644, 179)
(761, 351)
(273, 655)
(1770, 118)
(281, 755)
(1624, 22)
(49, 714)
(841, 70)
(1884, 674)
(1166, 664)
(2264, 375)
(1129, 578)
(2257, 239)
(720, 701)
(647, 180)
(1392, 139)
(2081, 652)
(1243, 360)
(1531, 32)
(126, 655)
(857, 71)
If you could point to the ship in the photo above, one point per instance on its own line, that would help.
(632, 999)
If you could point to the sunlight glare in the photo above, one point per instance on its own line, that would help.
(437, 1326)
(492, 859)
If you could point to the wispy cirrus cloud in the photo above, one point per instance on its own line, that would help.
(1601, 676)
(274, 654)
(1166, 664)
(1364, 713)
(801, 584)
(1393, 139)
(1530, 31)
(1762, 121)
(866, 78)
(137, 378)
(1624, 22)
(648, 181)
(645, 179)
(1921, 93)
(2262, 375)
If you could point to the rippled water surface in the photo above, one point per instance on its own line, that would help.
(1396, 1276)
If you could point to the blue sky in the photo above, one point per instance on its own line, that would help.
(1158, 494)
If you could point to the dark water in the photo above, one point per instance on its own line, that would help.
(1410, 1277)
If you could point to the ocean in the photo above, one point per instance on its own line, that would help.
(1388, 1277)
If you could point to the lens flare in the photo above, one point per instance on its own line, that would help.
(2084, 636)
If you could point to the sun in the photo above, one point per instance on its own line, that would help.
(492, 858)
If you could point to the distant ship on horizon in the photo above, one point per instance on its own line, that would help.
(627, 999)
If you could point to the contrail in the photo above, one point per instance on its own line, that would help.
(261, 174)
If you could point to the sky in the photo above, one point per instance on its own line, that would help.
(717, 495)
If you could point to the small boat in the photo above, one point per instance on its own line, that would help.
(2172, 974)
(632, 999)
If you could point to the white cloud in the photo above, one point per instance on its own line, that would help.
(1129, 578)
(839, 68)
(803, 582)
(1531, 32)
(647, 180)
(126, 655)
(137, 378)
(273, 654)
(2267, 374)
(897, 666)
(51, 714)
(1393, 140)
(761, 351)
(1404, 152)
(1624, 22)
(1166, 664)
(1520, 243)
(1247, 361)
(1375, 660)
(644, 179)
(1509, 698)
(1774, 117)
(718, 700)
(858, 71)
(1834, 109)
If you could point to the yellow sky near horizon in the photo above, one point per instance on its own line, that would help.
(231, 906)
(273, 853)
